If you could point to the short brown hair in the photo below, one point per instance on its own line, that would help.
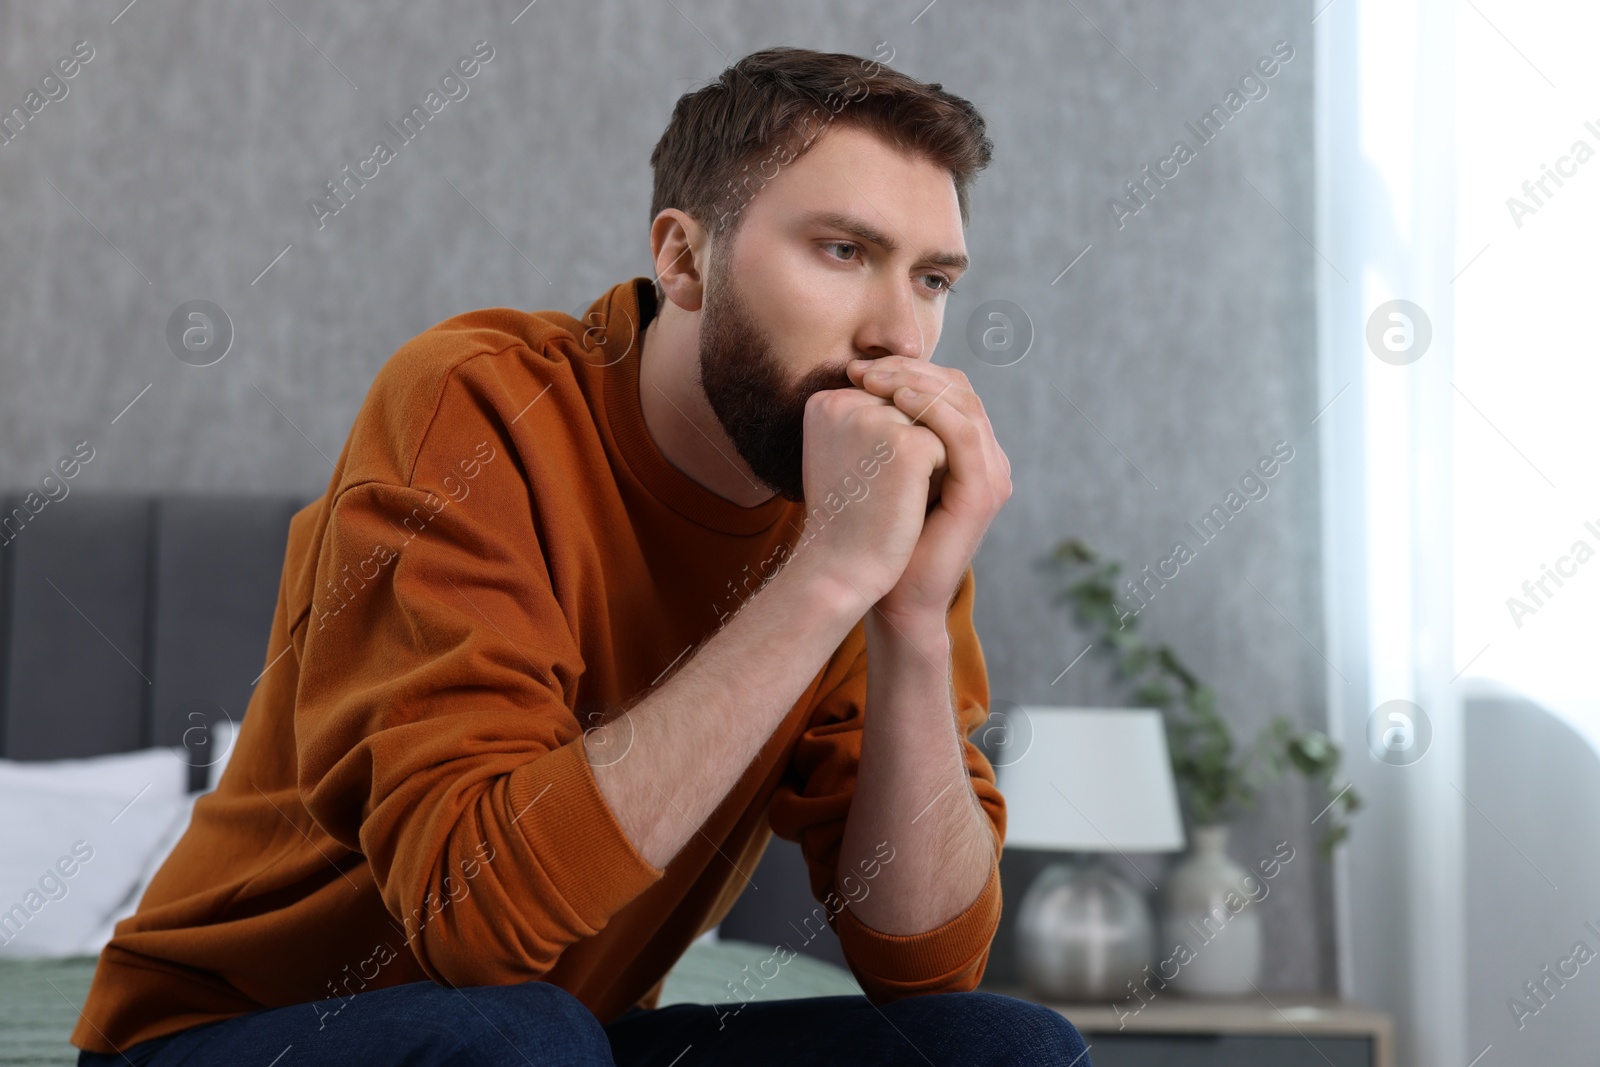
(770, 107)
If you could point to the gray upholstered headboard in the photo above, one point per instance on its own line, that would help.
(126, 620)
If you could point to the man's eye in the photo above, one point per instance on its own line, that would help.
(944, 287)
(841, 244)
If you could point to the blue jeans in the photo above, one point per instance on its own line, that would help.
(535, 1023)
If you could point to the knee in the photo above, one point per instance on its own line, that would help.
(1038, 1034)
(995, 1029)
(530, 1021)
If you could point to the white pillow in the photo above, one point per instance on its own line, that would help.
(222, 739)
(76, 838)
(96, 939)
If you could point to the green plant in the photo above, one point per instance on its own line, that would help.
(1216, 781)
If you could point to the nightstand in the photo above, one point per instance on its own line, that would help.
(1291, 1031)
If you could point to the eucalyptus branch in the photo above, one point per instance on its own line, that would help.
(1216, 781)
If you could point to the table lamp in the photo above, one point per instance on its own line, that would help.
(1082, 780)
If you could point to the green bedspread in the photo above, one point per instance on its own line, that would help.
(39, 1002)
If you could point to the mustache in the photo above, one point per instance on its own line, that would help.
(828, 376)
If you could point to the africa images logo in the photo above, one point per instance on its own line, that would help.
(452, 87)
(1252, 86)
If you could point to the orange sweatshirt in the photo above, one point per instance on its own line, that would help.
(501, 556)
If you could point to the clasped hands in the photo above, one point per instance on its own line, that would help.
(975, 484)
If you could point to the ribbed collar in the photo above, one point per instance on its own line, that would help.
(622, 314)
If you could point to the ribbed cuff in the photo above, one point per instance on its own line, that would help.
(931, 955)
(575, 837)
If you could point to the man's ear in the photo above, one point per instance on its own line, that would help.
(680, 246)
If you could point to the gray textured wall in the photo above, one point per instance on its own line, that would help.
(179, 165)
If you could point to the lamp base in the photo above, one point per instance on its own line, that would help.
(1083, 933)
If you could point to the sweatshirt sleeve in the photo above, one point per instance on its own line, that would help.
(434, 721)
(811, 804)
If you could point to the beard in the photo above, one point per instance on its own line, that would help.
(762, 413)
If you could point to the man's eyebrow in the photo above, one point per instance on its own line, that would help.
(850, 224)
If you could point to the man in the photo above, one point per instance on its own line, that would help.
(588, 608)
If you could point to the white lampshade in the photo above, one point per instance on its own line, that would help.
(1089, 780)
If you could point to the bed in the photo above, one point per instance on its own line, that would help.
(132, 629)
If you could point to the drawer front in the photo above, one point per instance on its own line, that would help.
(1228, 1050)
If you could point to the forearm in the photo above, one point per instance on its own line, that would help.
(665, 765)
(912, 788)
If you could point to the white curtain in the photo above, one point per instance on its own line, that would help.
(1385, 234)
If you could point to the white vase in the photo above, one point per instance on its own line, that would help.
(1210, 927)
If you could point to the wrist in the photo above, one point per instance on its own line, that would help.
(822, 594)
(925, 632)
